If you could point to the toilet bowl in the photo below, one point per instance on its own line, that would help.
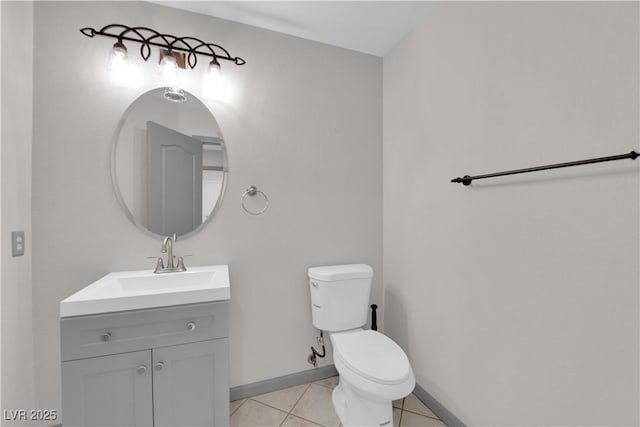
(373, 370)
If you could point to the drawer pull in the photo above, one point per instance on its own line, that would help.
(191, 326)
(141, 369)
(106, 336)
(158, 366)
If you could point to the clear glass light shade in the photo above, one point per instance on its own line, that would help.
(214, 68)
(214, 85)
(169, 71)
(117, 59)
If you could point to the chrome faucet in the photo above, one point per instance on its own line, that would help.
(167, 248)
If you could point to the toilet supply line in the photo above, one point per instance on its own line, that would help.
(312, 358)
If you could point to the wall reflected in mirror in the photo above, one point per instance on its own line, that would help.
(169, 164)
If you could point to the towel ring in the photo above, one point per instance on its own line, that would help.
(252, 191)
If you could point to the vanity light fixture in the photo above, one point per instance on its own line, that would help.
(175, 52)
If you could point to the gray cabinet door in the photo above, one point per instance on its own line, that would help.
(191, 384)
(108, 391)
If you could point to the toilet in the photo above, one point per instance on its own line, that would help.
(374, 371)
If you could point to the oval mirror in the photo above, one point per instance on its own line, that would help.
(168, 164)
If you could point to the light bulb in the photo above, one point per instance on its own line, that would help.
(117, 65)
(169, 71)
(214, 68)
(214, 85)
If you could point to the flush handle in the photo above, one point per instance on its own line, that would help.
(374, 317)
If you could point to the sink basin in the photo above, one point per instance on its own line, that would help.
(135, 290)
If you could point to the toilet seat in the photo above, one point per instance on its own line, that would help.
(373, 356)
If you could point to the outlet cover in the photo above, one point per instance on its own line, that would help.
(17, 243)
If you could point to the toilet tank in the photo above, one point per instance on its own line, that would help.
(340, 296)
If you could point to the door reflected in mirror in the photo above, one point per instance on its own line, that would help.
(169, 164)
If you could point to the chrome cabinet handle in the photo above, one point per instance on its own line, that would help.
(158, 366)
(191, 326)
(141, 369)
(106, 336)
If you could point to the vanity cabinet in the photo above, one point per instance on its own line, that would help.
(158, 367)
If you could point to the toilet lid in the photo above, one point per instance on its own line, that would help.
(373, 356)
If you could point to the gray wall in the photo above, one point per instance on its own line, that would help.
(304, 125)
(1, 203)
(16, 87)
(517, 297)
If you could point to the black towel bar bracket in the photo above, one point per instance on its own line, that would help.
(466, 180)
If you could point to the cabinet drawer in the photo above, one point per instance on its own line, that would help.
(90, 336)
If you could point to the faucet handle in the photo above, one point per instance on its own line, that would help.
(159, 266)
(174, 236)
(181, 266)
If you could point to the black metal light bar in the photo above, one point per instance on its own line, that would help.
(466, 180)
(149, 37)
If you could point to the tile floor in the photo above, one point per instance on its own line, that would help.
(309, 405)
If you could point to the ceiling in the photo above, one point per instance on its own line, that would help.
(371, 27)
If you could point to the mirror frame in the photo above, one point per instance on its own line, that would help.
(116, 185)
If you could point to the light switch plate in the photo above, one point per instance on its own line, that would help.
(17, 243)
